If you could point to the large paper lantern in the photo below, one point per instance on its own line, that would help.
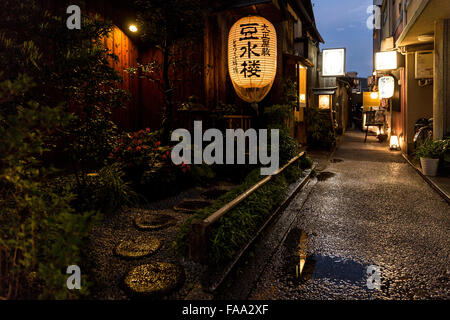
(252, 57)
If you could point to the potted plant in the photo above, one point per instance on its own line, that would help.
(429, 154)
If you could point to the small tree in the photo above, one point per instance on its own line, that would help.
(173, 27)
(56, 88)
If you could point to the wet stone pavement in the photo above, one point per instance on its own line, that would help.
(370, 208)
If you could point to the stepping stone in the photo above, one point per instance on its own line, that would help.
(191, 206)
(154, 221)
(156, 279)
(213, 194)
(137, 248)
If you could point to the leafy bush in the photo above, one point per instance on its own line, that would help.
(277, 117)
(57, 90)
(319, 129)
(40, 233)
(139, 152)
(235, 229)
(201, 173)
(430, 149)
(105, 191)
(446, 149)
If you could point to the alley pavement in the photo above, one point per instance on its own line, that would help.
(370, 216)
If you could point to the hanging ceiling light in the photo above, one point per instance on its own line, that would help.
(133, 28)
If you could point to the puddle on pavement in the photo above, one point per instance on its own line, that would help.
(324, 175)
(296, 244)
(336, 160)
(317, 266)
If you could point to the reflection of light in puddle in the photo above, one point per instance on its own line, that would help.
(301, 254)
(338, 269)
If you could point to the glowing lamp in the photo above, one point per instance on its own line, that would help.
(133, 28)
(333, 62)
(370, 100)
(252, 57)
(324, 101)
(386, 86)
(386, 60)
(302, 98)
(394, 144)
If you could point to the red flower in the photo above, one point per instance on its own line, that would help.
(164, 157)
(138, 148)
(158, 143)
(144, 147)
(147, 129)
(139, 141)
(129, 149)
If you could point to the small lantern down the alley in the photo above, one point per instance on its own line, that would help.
(252, 57)
(386, 86)
(394, 144)
(324, 101)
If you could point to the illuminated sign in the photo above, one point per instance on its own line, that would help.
(252, 57)
(333, 62)
(386, 60)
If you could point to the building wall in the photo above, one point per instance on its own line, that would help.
(419, 100)
(411, 9)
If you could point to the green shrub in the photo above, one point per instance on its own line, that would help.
(236, 228)
(139, 152)
(319, 129)
(201, 173)
(277, 117)
(430, 149)
(105, 191)
(57, 89)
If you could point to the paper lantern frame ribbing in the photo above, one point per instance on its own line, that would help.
(252, 57)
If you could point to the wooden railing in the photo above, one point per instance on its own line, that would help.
(238, 122)
(200, 229)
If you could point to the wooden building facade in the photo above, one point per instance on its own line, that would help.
(297, 59)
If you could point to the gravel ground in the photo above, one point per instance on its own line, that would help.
(372, 210)
(109, 271)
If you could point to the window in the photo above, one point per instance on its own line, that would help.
(302, 85)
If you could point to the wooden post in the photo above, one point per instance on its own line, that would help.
(198, 238)
(441, 79)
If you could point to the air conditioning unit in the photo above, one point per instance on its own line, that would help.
(424, 64)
